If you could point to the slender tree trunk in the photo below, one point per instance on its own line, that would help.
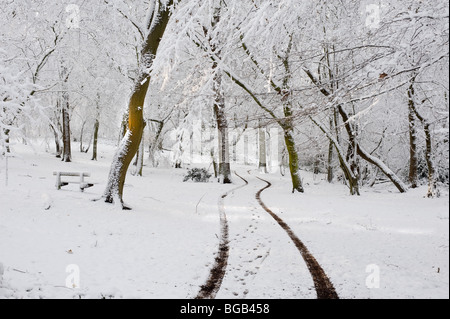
(345, 165)
(123, 127)
(219, 108)
(262, 151)
(155, 26)
(294, 161)
(330, 171)
(57, 129)
(214, 163)
(352, 156)
(369, 158)
(95, 142)
(432, 184)
(7, 132)
(156, 145)
(224, 143)
(351, 133)
(288, 125)
(57, 137)
(432, 187)
(287, 129)
(140, 160)
(67, 152)
(82, 150)
(96, 129)
(413, 159)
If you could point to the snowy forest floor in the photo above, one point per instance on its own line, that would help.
(380, 245)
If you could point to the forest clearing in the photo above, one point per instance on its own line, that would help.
(171, 149)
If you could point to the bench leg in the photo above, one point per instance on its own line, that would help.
(82, 182)
(58, 182)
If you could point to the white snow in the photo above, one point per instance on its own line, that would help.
(166, 246)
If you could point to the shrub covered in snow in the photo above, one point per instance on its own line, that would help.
(198, 175)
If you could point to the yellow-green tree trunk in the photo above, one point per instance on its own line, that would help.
(136, 124)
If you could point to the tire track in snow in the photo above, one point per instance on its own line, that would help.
(323, 285)
(214, 282)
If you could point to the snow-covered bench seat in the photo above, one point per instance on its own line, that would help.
(81, 176)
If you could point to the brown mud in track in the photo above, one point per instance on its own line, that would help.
(322, 283)
(212, 286)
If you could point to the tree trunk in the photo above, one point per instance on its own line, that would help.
(58, 147)
(6, 133)
(288, 130)
(219, 109)
(123, 127)
(351, 133)
(95, 142)
(330, 172)
(212, 152)
(262, 151)
(368, 157)
(288, 125)
(140, 160)
(82, 150)
(67, 152)
(413, 160)
(156, 26)
(432, 189)
(156, 145)
(294, 161)
(224, 143)
(345, 165)
(65, 109)
(128, 146)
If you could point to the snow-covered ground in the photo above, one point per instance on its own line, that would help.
(380, 245)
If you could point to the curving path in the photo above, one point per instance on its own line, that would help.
(323, 285)
(258, 254)
(212, 286)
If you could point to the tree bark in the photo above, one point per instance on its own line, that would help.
(432, 184)
(140, 159)
(222, 126)
(294, 161)
(7, 132)
(219, 105)
(57, 137)
(369, 158)
(156, 145)
(262, 151)
(129, 146)
(82, 150)
(288, 132)
(413, 158)
(330, 170)
(67, 152)
(351, 133)
(345, 165)
(65, 112)
(432, 187)
(288, 125)
(95, 142)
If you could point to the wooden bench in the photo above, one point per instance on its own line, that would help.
(80, 181)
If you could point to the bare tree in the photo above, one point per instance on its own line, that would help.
(155, 26)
